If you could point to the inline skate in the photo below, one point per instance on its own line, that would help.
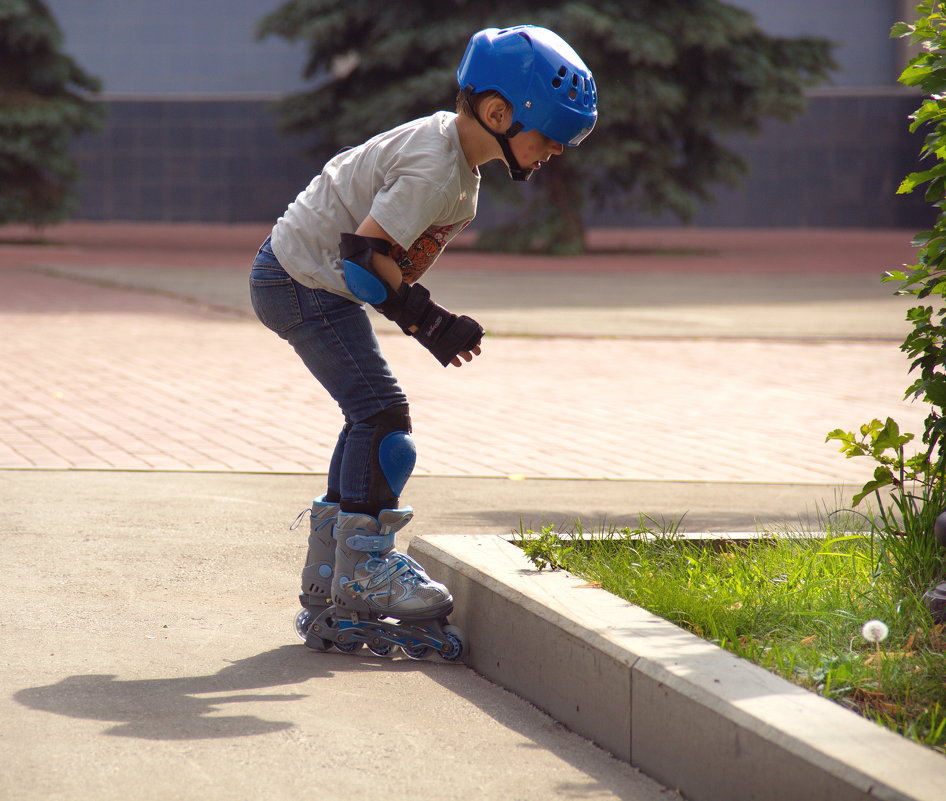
(320, 559)
(380, 597)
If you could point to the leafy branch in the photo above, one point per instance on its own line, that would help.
(916, 485)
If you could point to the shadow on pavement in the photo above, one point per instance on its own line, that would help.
(171, 709)
(188, 707)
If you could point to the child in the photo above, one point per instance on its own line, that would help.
(364, 231)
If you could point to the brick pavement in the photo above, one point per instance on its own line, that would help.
(105, 377)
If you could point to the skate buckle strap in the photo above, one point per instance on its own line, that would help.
(369, 543)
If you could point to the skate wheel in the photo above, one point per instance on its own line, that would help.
(456, 643)
(418, 651)
(348, 647)
(381, 649)
(302, 622)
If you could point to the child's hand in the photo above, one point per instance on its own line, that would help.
(466, 355)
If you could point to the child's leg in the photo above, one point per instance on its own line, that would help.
(369, 465)
(376, 460)
(374, 456)
(334, 339)
(333, 490)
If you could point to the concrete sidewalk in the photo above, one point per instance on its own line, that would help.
(156, 442)
(148, 654)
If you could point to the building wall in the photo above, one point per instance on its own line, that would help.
(859, 28)
(189, 161)
(839, 165)
(191, 134)
(193, 49)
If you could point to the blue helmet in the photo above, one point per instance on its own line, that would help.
(543, 78)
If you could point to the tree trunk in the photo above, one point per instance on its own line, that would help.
(564, 216)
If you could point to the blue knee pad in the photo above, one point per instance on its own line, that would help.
(397, 456)
(392, 460)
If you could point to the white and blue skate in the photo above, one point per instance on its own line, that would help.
(381, 598)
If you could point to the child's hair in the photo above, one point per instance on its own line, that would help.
(467, 101)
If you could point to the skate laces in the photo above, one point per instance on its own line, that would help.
(395, 567)
(414, 574)
(299, 517)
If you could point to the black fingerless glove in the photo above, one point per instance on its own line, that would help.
(443, 333)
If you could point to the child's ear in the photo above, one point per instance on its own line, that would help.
(497, 113)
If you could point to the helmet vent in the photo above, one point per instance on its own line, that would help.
(579, 88)
(573, 92)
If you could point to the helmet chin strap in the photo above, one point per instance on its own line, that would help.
(516, 172)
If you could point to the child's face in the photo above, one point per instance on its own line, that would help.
(531, 149)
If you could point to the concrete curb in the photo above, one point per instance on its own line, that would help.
(689, 714)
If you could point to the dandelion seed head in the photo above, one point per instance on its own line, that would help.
(874, 630)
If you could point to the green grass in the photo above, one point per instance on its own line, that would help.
(794, 605)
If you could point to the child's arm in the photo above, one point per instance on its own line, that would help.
(384, 264)
(374, 277)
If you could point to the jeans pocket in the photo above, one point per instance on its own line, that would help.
(274, 298)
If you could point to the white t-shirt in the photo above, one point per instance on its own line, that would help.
(414, 180)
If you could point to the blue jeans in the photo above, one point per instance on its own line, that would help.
(334, 339)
